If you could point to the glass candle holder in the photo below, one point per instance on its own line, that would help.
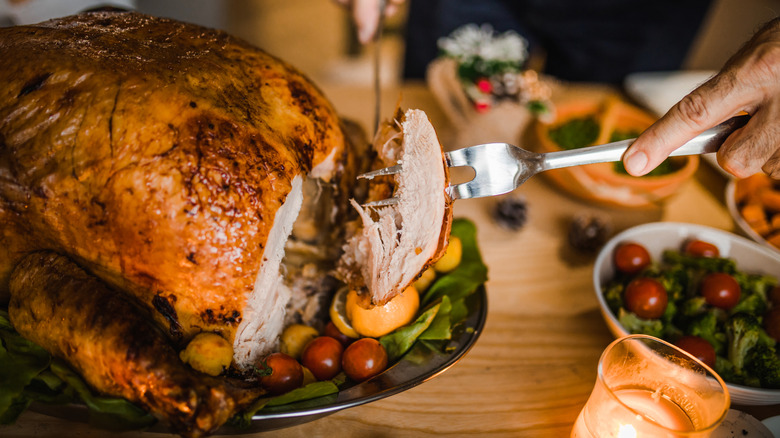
(647, 387)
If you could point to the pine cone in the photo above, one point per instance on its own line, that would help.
(589, 232)
(511, 212)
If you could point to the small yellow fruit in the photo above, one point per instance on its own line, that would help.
(451, 258)
(308, 377)
(375, 321)
(295, 337)
(338, 314)
(208, 353)
(425, 280)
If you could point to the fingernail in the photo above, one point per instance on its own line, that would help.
(636, 162)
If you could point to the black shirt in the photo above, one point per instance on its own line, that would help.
(582, 40)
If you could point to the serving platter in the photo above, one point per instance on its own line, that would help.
(417, 366)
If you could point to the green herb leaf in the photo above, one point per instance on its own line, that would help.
(263, 370)
(310, 391)
(470, 273)
(104, 412)
(20, 362)
(459, 311)
(400, 341)
(441, 327)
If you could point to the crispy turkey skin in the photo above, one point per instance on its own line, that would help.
(113, 344)
(156, 154)
(159, 179)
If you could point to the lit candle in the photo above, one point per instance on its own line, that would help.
(657, 407)
(626, 431)
(647, 387)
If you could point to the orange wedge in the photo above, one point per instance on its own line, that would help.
(338, 314)
(375, 321)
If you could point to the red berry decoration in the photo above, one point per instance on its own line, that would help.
(484, 85)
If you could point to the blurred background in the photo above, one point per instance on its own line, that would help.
(317, 35)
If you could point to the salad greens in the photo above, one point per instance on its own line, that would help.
(745, 353)
(29, 374)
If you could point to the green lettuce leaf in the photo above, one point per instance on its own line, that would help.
(400, 341)
(104, 412)
(470, 273)
(308, 392)
(441, 326)
(20, 362)
(28, 373)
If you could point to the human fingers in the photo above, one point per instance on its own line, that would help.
(749, 81)
(366, 16)
(710, 104)
(753, 148)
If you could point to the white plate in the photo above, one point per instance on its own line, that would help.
(773, 424)
(659, 91)
(741, 424)
(659, 236)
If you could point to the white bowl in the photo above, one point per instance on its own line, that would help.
(659, 236)
(743, 226)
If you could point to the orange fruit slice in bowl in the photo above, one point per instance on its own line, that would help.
(375, 321)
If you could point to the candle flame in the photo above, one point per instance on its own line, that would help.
(626, 431)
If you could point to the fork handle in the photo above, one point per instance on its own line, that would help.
(706, 142)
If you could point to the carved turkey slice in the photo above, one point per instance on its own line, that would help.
(396, 243)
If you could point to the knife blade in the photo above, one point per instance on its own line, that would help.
(378, 66)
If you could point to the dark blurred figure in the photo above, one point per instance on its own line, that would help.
(580, 40)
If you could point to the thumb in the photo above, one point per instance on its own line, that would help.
(703, 108)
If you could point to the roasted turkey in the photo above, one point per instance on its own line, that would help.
(165, 158)
(160, 179)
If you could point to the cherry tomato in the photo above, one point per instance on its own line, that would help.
(699, 348)
(720, 290)
(700, 248)
(646, 297)
(364, 359)
(630, 258)
(333, 331)
(286, 374)
(774, 296)
(772, 323)
(322, 356)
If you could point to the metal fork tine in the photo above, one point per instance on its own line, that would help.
(457, 158)
(382, 203)
(379, 172)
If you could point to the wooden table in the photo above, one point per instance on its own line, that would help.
(534, 365)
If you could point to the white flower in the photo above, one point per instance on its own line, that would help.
(472, 42)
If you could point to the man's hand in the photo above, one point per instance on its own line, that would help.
(749, 82)
(366, 15)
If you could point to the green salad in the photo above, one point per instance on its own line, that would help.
(703, 303)
(30, 374)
